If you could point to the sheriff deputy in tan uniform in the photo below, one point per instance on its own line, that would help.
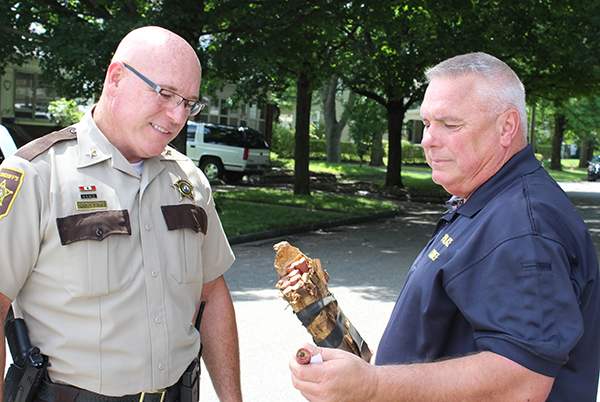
(110, 238)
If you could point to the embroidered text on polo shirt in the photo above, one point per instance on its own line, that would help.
(447, 240)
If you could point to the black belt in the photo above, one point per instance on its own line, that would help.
(51, 392)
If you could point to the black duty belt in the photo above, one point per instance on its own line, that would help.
(51, 392)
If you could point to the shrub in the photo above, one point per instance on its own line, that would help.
(412, 153)
(282, 142)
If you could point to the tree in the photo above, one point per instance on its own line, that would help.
(583, 125)
(73, 39)
(394, 44)
(367, 127)
(269, 45)
(558, 58)
(333, 127)
(552, 45)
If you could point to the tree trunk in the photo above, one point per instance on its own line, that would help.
(333, 127)
(586, 153)
(377, 151)
(557, 138)
(395, 115)
(302, 146)
(532, 128)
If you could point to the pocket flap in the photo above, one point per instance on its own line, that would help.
(93, 226)
(185, 216)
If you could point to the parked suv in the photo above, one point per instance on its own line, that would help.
(227, 152)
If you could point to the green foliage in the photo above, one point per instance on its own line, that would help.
(283, 142)
(367, 120)
(317, 130)
(544, 150)
(65, 112)
(412, 153)
(583, 119)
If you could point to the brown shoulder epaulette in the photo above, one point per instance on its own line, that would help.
(34, 148)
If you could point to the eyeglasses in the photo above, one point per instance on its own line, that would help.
(170, 98)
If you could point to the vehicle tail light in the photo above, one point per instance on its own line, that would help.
(246, 154)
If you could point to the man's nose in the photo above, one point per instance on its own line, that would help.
(179, 113)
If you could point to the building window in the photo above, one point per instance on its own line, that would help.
(219, 111)
(32, 97)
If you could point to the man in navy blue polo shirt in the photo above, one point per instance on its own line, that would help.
(503, 302)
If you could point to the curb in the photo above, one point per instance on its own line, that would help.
(268, 234)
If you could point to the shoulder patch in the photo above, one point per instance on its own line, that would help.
(10, 183)
(30, 150)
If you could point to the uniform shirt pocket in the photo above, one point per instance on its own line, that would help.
(98, 262)
(187, 224)
(93, 226)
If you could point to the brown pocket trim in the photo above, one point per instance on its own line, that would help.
(185, 216)
(93, 226)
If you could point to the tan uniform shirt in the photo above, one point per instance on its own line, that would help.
(106, 265)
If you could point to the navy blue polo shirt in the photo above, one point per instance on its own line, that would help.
(513, 271)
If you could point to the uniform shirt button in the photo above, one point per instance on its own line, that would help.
(154, 274)
(148, 228)
(158, 320)
(99, 232)
(161, 366)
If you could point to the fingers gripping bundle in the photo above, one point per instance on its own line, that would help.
(303, 284)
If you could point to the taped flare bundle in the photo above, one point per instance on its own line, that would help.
(303, 284)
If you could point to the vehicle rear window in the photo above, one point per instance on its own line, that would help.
(255, 139)
(223, 136)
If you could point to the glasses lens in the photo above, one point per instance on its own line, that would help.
(173, 100)
(195, 108)
(170, 98)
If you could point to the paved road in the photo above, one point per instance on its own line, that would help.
(367, 263)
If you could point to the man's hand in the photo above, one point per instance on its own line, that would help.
(485, 376)
(341, 376)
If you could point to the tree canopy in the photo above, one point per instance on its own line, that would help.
(379, 48)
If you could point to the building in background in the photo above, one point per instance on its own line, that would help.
(24, 101)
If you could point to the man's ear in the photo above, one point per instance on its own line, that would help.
(509, 123)
(114, 76)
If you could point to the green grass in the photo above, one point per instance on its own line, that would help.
(255, 210)
(570, 171)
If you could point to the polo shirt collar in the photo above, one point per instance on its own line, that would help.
(522, 163)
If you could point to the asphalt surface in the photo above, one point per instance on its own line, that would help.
(368, 263)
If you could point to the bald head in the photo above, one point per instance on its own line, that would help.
(155, 46)
(130, 111)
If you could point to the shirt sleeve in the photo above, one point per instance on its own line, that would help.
(521, 303)
(21, 228)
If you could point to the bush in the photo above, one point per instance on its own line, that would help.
(412, 153)
(544, 150)
(283, 144)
